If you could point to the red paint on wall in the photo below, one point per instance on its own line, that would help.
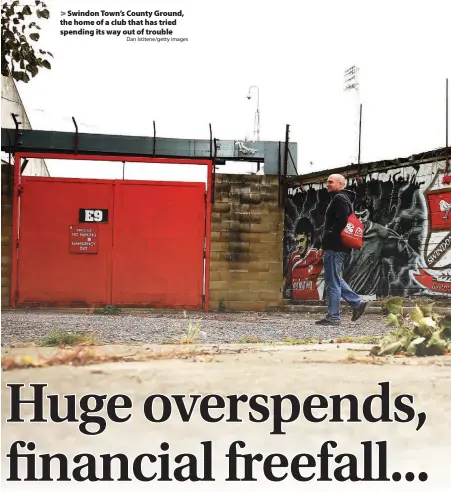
(439, 205)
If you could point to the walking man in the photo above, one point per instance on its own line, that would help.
(336, 218)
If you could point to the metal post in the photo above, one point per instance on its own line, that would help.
(154, 137)
(75, 136)
(257, 112)
(285, 166)
(15, 233)
(211, 142)
(360, 134)
(213, 174)
(208, 235)
(447, 149)
(10, 167)
(279, 165)
(285, 159)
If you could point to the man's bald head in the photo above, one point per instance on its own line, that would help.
(335, 182)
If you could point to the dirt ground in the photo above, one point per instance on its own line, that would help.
(236, 370)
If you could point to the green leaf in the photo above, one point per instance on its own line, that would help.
(445, 326)
(392, 320)
(26, 10)
(426, 309)
(417, 341)
(436, 345)
(389, 338)
(46, 64)
(416, 314)
(34, 36)
(45, 13)
(426, 327)
(391, 349)
(436, 316)
(412, 349)
(394, 305)
(404, 341)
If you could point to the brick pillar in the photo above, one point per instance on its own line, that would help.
(246, 243)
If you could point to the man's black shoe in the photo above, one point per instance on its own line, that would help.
(328, 322)
(358, 311)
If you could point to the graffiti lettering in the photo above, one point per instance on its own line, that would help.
(439, 251)
(441, 286)
(303, 285)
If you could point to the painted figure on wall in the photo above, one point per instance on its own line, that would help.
(304, 265)
(407, 239)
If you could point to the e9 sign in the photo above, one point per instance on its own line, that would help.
(93, 215)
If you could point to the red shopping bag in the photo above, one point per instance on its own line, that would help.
(352, 234)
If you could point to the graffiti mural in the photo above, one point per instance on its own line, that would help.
(304, 265)
(407, 241)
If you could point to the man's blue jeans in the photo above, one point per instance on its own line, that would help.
(335, 286)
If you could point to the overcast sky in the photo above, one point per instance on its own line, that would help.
(295, 52)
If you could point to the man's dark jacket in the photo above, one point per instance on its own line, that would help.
(337, 213)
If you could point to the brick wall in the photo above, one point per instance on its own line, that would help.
(6, 234)
(246, 243)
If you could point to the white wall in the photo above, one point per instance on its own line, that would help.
(12, 103)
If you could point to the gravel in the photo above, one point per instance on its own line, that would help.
(26, 327)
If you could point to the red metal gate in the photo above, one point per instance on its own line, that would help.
(125, 243)
(158, 244)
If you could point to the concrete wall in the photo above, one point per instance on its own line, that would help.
(12, 103)
(407, 241)
(246, 243)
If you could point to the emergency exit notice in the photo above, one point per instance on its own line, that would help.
(83, 239)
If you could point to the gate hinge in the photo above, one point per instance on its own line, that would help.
(17, 243)
(19, 190)
(203, 301)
